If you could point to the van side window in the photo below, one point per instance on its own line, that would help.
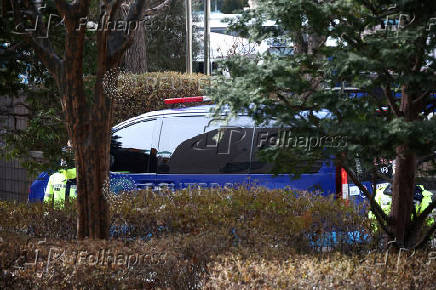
(175, 131)
(195, 145)
(270, 137)
(133, 149)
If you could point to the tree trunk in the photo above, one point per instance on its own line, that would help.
(93, 209)
(404, 181)
(88, 118)
(402, 197)
(91, 126)
(135, 57)
(88, 121)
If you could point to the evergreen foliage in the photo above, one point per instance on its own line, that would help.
(386, 49)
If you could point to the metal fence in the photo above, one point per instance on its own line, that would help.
(14, 180)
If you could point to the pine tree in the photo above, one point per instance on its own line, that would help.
(384, 48)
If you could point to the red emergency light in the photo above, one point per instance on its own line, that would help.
(186, 100)
(344, 183)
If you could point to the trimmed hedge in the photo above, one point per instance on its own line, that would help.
(138, 94)
(209, 238)
(238, 217)
(299, 220)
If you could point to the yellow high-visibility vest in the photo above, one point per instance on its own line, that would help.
(59, 185)
(385, 202)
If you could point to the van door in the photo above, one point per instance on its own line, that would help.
(198, 149)
(317, 176)
(134, 154)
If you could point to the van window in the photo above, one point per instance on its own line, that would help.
(271, 137)
(133, 147)
(201, 145)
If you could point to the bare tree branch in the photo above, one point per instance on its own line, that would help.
(42, 46)
(380, 215)
(48, 56)
(420, 44)
(388, 93)
(83, 7)
(383, 176)
(426, 237)
(111, 8)
(422, 217)
(157, 9)
(422, 96)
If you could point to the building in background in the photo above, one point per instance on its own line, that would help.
(252, 4)
(225, 43)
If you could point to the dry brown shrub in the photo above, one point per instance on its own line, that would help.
(210, 238)
(163, 263)
(324, 271)
(249, 217)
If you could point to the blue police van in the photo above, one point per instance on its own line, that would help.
(179, 148)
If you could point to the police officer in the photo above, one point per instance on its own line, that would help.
(424, 198)
(61, 186)
(421, 199)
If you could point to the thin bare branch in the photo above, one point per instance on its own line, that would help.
(157, 9)
(420, 48)
(284, 100)
(83, 7)
(388, 93)
(426, 237)
(380, 215)
(42, 46)
(422, 217)
(282, 97)
(421, 97)
(383, 176)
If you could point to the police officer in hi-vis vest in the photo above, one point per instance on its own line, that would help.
(421, 200)
(61, 185)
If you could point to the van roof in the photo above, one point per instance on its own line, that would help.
(192, 111)
(201, 110)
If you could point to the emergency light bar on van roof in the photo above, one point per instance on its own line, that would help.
(186, 100)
